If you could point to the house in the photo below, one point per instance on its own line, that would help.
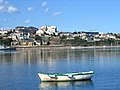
(2, 32)
(40, 32)
(47, 29)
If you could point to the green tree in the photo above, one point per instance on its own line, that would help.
(37, 37)
(63, 37)
(5, 42)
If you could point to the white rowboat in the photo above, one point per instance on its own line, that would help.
(75, 76)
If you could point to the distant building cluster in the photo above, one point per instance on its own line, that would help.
(34, 36)
(89, 36)
(50, 30)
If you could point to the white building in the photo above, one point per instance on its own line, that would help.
(3, 32)
(47, 29)
(39, 32)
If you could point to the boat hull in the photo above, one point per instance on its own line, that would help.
(6, 49)
(66, 77)
(2, 48)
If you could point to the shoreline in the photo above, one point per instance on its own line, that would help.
(61, 47)
(96, 47)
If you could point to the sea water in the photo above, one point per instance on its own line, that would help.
(19, 69)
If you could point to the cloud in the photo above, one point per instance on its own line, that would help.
(44, 4)
(27, 21)
(57, 13)
(46, 10)
(2, 8)
(12, 9)
(1, 1)
(5, 6)
(30, 9)
(4, 20)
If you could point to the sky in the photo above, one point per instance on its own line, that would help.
(67, 15)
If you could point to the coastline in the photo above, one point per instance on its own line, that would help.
(42, 47)
(96, 47)
(61, 47)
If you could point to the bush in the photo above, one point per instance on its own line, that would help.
(5, 42)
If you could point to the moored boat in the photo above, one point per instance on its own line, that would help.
(7, 48)
(75, 76)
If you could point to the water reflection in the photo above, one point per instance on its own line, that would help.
(66, 85)
(51, 56)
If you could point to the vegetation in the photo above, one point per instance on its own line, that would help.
(5, 42)
(63, 40)
(80, 42)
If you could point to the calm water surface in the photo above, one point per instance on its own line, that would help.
(18, 69)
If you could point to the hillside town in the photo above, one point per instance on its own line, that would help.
(49, 35)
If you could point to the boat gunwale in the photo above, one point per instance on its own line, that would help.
(66, 74)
